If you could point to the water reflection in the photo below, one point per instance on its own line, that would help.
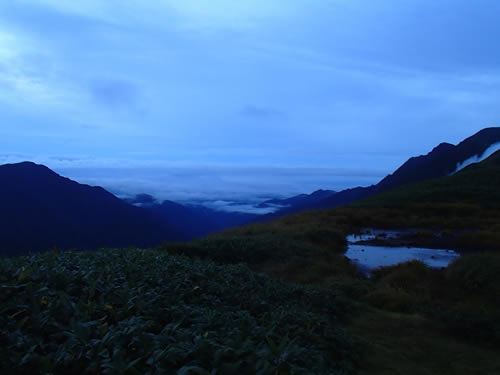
(368, 257)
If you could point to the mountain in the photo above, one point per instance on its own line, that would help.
(197, 221)
(41, 210)
(298, 200)
(478, 183)
(443, 160)
(193, 220)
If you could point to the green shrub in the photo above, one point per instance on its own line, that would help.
(471, 322)
(320, 270)
(479, 240)
(148, 312)
(391, 299)
(250, 249)
(413, 276)
(476, 275)
(331, 238)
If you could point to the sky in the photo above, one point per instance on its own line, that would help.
(202, 99)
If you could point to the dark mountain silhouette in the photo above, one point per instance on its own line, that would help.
(441, 161)
(41, 210)
(298, 200)
(192, 220)
(477, 184)
(142, 200)
(219, 220)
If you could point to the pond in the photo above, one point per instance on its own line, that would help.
(368, 257)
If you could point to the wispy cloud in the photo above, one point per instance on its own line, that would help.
(478, 158)
(114, 94)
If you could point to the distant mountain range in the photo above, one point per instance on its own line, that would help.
(443, 160)
(298, 200)
(191, 220)
(41, 209)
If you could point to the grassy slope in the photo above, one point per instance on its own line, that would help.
(426, 321)
(466, 206)
(411, 319)
(477, 184)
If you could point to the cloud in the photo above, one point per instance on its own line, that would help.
(235, 206)
(63, 159)
(228, 188)
(478, 158)
(23, 81)
(11, 158)
(223, 187)
(114, 94)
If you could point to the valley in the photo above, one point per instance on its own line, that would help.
(274, 296)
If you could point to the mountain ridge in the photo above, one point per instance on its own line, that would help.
(442, 160)
(42, 210)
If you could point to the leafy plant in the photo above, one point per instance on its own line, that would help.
(148, 312)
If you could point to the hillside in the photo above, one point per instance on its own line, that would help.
(297, 201)
(410, 318)
(42, 210)
(476, 184)
(441, 161)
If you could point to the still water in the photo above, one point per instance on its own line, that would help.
(368, 257)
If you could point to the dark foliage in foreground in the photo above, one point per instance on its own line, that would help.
(252, 249)
(148, 312)
(463, 297)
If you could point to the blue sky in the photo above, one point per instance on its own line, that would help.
(336, 88)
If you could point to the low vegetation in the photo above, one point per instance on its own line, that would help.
(312, 255)
(220, 306)
(410, 318)
(149, 312)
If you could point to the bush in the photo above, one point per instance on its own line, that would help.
(472, 323)
(322, 270)
(392, 299)
(331, 238)
(147, 312)
(476, 275)
(251, 249)
(413, 276)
